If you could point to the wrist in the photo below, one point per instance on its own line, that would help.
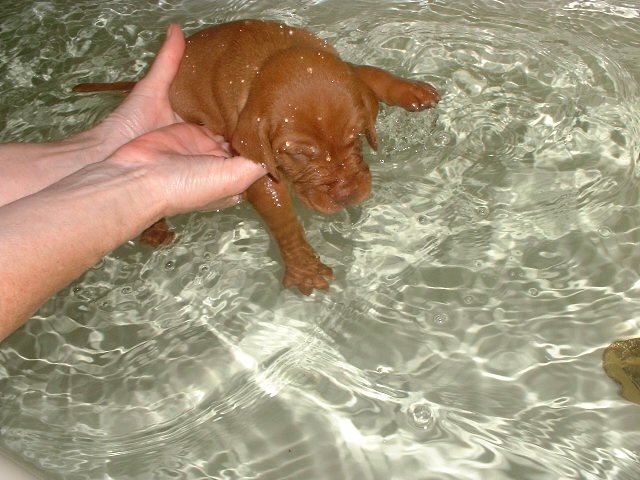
(140, 177)
(95, 144)
(35, 166)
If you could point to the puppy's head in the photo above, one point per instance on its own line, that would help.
(306, 124)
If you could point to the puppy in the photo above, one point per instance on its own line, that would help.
(284, 98)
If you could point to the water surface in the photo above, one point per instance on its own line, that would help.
(476, 288)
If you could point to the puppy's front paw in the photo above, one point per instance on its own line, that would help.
(414, 95)
(307, 272)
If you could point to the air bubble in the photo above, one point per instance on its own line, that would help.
(604, 232)
(440, 319)
(170, 265)
(383, 369)
(421, 415)
(442, 139)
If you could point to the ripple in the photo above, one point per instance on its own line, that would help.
(475, 289)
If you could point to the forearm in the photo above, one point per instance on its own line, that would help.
(26, 168)
(50, 238)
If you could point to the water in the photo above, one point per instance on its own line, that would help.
(476, 289)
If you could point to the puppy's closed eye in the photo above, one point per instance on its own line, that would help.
(303, 152)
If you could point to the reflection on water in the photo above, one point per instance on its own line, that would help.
(476, 289)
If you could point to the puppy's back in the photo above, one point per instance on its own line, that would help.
(220, 64)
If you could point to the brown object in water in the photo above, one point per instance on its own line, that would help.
(158, 234)
(122, 87)
(285, 99)
(621, 361)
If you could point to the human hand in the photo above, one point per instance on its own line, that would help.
(147, 106)
(185, 167)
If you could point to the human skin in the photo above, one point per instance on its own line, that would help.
(64, 205)
(34, 166)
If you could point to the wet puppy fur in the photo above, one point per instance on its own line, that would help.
(285, 99)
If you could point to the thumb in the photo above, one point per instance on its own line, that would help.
(165, 65)
(234, 175)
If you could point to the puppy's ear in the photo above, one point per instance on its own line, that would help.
(370, 102)
(251, 139)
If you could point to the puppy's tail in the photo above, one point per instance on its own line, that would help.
(124, 87)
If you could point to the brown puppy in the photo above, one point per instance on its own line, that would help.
(285, 99)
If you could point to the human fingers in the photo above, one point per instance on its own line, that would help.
(208, 182)
(221, 204)
(182, 139)
(165, 66)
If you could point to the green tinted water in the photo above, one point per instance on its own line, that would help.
(476, 288)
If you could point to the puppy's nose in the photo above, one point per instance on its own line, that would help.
(342, 191)
(350, 190)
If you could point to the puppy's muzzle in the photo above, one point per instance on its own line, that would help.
(351, 190)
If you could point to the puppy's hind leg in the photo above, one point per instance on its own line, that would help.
(158, 234)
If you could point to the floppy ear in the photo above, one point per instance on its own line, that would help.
(251, 139)
(370, 102)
